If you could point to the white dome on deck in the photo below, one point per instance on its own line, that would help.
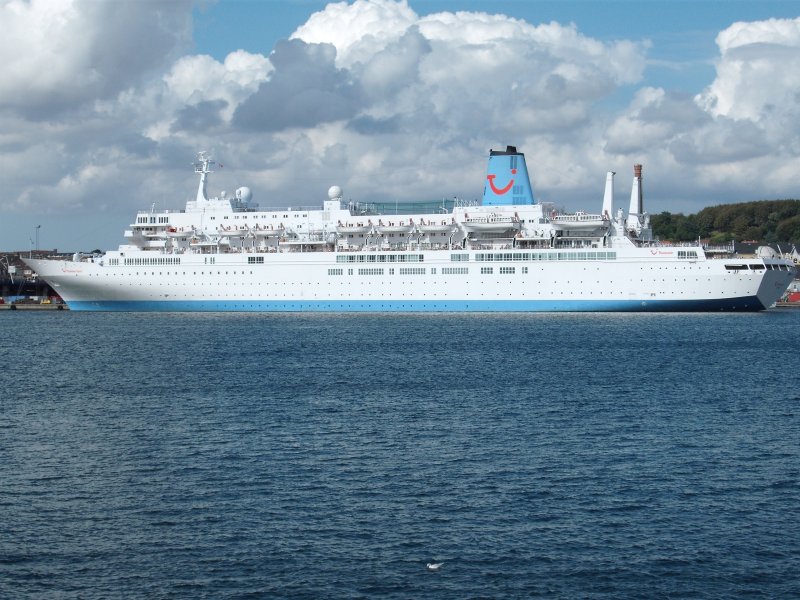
(335, 192)
(244, 194)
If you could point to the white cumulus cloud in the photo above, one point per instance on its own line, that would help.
(102, 108)
(758, 71)
(60, 54)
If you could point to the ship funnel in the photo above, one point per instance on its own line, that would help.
(636, 210)
(507, 179)
(636, 207)
(608, 197)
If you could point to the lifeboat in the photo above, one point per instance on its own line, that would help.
(492, 223)
(577, 221)
(351, 228)
(232, 232)
(433, 226)
(179, 232)
(395, 227)
(270, 231)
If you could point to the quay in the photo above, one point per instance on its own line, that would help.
(33, 306)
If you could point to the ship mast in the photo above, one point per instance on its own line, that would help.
(203, 166)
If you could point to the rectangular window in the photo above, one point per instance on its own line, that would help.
(255, 260)
(487, 270)
(507, 270)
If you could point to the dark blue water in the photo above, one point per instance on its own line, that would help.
(333, 456)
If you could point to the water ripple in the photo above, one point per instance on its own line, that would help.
(311, 456)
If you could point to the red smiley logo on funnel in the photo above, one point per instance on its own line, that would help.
(503, 190)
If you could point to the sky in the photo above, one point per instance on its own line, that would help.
(104, 105)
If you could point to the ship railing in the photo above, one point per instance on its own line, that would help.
(162, 211)
(461, 203)
(576, 217)
(665, 244)
(720, 248)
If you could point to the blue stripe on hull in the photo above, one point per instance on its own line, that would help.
(749, 303)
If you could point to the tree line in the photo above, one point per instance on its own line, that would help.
(766, 221)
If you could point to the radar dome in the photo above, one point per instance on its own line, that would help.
(335, 192)
(244, 194)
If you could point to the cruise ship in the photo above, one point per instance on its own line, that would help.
(507, 252)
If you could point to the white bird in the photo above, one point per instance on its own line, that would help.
(434, 566)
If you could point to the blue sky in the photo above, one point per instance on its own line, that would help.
(103, 105)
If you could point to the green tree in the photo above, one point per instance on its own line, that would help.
(788, 230)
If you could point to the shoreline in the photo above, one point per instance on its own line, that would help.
(34, 307)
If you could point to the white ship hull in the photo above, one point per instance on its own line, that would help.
(312, 282)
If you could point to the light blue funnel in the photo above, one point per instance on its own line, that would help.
(507, 179)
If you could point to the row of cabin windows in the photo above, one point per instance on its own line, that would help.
(517, 256)
(160, 260)
(153, 219)
(423, 271)
(756, 267)
(350, 258)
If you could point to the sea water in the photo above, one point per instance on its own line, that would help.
(335, 456)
